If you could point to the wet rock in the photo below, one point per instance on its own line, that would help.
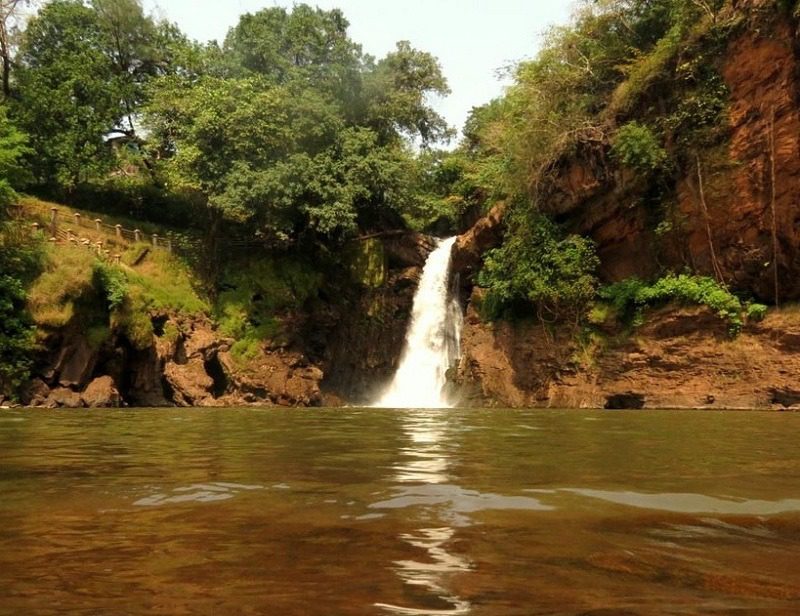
(102, 393)
(35, 393)
(63, 397)
(77, 363)
(785, 397)
(408, 249)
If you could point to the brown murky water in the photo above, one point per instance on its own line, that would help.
(338, 512)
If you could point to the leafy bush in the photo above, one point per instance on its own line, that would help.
(637, 147)
(630, 296)
(756, 312)
(254, 297)
(111, 282)
(535, 266)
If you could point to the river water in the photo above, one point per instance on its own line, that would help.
(371, 511)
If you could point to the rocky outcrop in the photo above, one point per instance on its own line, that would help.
(594, 197)
(101, 393)
(189, 366)
(471, 246)
(680, 358)
(364, 335)
(408, 249)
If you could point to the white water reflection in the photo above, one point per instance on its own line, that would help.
(197, 492)
(430, 575)
(424, 469)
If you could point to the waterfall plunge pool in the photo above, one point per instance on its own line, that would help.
(372, 511)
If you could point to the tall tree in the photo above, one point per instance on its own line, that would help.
(397, 91)
(69, 92)
(9, 13)
(18, 260)
(306, 45)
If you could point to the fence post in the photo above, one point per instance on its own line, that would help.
(119, 231)
(36, 226)
(155, 240)
(169, 245)
(97, 223)
(117, 259)
(137, 235)
(77, 219)
(53, 218)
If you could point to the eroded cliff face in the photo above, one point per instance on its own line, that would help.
(339, 349)
(680, 358)
(598, 199)
(186, 364)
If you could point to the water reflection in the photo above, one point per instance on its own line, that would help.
(198, 492)
(430, 575)
(425, 464)
(692, 503)
(425, 459)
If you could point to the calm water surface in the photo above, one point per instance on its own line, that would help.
(339, 512)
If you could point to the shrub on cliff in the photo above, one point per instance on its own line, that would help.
(636, 146)
(631, 296)
(536, 266)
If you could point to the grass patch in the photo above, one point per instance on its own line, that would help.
(166, 283)
(67, 276)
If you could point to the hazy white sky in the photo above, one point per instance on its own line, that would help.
(471, 38)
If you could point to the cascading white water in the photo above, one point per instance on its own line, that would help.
(432, 341)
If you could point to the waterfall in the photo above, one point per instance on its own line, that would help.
(432, 341)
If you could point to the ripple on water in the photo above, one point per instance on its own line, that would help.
(692, 503)
(457, 500)
(197, 492)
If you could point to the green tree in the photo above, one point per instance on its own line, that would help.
(19, 259)
(69, 93)
(140, 48)
(396, 95)
(306, 45)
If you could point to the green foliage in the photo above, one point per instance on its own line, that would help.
(132, 319)
(111, 282)
(637, 147)
(256, 295)
(67, 277)
(20, 259)
(537, 266)
(630, 296)
(756, 312)
(367, 262)
(396, 94)
(69, 93)
(304, 45)
(277, 158)
(97, 335)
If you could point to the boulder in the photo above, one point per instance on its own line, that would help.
(77, 363)
(190, 383)
(102, 393)
(35, 393)
(65, 398)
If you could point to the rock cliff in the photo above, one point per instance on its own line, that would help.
(679, 358)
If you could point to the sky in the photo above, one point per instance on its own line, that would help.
(473, 39)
